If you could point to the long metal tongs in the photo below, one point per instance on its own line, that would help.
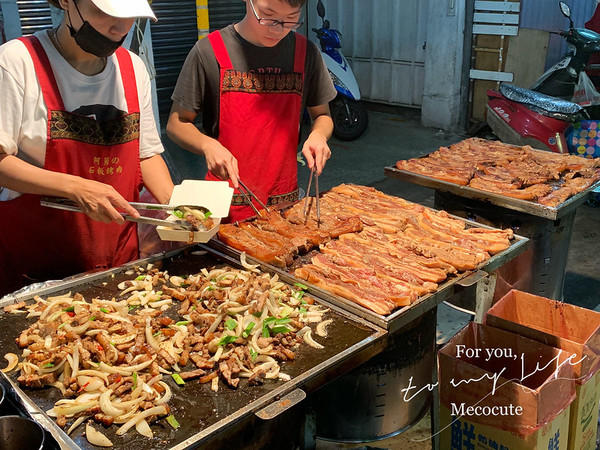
(68, 205)
(247, 193)
(306, 211)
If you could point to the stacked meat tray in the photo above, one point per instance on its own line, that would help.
(375, 254)
(180, 350)
(536, 182)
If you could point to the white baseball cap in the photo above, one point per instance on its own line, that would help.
(125, 8)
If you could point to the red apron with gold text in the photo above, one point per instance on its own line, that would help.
(258, 123)
(40, 243)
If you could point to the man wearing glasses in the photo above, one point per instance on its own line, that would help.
(251, 82)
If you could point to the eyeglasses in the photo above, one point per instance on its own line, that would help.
(275, 22)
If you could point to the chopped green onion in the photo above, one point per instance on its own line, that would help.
(61, 325)
(266, 333)
(134, 375)
(178, 379)
(132, 307)
(113, 344)
(269, 320)
(207, 214)
(283, 321)
(253, 354)
(92, 318)
(280, 329)
(141, 278)
(69, 309)
(104, 310)
(302, 310)
(178, 213)
(183, 322)
(173, 422)
(157, 333)
(304, 302)
(49, 365)
(298, 295)
(301, 286)
(248, 330)
(227, 340)
(231, 324)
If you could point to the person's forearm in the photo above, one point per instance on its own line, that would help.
(156, 178)
(187, 136)
(26, 178)
(323, 126)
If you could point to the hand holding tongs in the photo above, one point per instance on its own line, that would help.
(69, 205)
(247, 193)
(305, 212)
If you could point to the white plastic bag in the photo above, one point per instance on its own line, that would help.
(585, 93)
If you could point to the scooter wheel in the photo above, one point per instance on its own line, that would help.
(350, 118)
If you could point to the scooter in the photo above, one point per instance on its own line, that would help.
(540, 116)
(350, 118)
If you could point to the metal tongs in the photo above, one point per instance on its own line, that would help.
(68, 205)
(247, 193)
(306, 211)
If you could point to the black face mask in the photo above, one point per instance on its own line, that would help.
(91, 40)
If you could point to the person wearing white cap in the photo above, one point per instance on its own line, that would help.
(76, 121)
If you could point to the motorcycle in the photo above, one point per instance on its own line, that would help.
(350, 118)
(539, 116)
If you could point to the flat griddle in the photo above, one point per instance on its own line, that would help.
(515, 204)
(201, 413)
(404, 315)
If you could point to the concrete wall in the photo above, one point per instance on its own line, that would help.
(444, 56)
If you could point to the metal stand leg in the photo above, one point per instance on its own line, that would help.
(484, 296)
(435, 408)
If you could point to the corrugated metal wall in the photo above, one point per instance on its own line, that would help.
(384, 42)
(35, 15)
(175, 34)
(546, 15)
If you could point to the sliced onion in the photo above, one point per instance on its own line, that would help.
(246, 265)
(118, 339)
(77, 422)
(322, 328)
(168, 394)
(107, 406)
(125, 370)
(95, 437)
(12, 362)
(160, 410)
(143, 428)
(74, 408)
(149, 337)
(310, 341)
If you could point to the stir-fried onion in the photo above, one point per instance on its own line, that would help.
(110, 355)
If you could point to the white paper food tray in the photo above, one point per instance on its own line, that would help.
(214, 195)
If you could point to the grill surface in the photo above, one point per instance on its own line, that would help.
(201, 413)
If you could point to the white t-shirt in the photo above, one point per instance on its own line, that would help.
(23, 113)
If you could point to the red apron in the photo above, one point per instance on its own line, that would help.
(258, 123)
(40, 243)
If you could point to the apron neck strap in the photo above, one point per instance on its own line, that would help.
(44, 73)
(300, 53)
(216, 41)
(128, 79)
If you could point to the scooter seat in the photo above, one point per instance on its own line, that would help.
(545, 102)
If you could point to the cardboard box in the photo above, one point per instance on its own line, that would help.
(465, 434)
(214, 195)
(572, 329)
(504, 387)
